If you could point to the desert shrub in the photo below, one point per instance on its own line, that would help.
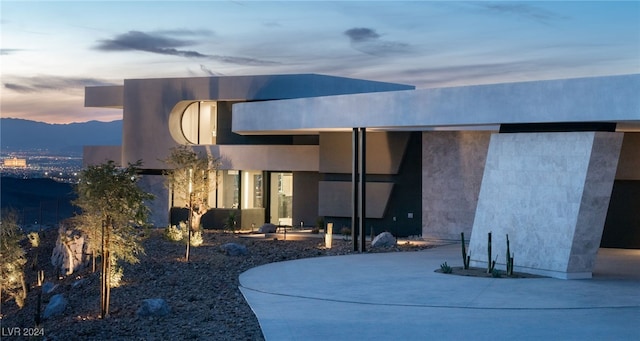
(116, 275)
(174, 233)
(196, 238)
(34, 239)
(12, 259)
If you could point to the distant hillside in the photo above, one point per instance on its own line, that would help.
(35, 199)
(18, 134)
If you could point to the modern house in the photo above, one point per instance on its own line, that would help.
(550, 163)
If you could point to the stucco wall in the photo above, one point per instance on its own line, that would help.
(305, 198)
(452, 167)
(95, 155)
(549, 192)
(384, 152)
(154, 184)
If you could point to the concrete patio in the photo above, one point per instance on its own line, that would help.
(398, 296)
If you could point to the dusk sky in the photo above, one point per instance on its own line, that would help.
(51, 50)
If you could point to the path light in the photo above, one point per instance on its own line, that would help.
(328, 236)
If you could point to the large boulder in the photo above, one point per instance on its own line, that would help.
(56, 306)
(268, 228)
(233, 249)
(48, 287)
(69, 254)
(384, 239)
(154, 307)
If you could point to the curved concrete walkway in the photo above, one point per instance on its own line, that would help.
(398, 296)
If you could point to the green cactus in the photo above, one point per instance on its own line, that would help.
(489, 266)
(465, 258)
(446, 268)
(509, 257)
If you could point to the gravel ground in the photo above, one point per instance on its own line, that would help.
(203, 293)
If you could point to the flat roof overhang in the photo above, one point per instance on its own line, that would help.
(613, 99)
(236, 88)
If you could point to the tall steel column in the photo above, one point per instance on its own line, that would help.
(362, 181)
(354, 190)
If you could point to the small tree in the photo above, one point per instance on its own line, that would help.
(12, 259)
(187, 178)
(108, 194)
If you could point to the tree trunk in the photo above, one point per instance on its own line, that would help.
(24, 289)
(108, 284)
(102, 277)
(104, 292)
(196, 221)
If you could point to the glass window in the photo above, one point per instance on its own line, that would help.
(281, 198)
(228, 189)
(199, 122)
(252, 189)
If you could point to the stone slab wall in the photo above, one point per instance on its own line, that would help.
(550, 193)
(452, 168)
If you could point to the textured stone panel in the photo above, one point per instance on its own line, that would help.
(453, 164)
(549, 192)
(595, 201)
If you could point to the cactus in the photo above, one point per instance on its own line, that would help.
(492, 265)
(465, 258)
(489, 267)
(509, 259)
(510, 267)
(446, 268)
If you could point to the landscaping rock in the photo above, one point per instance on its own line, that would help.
(384, 239)
(48, 287)
(233, 249)
(56, 306)
(69, 253)
(268, 228)
(154, 307)
(78, 283)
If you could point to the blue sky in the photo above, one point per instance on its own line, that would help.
(51, 50)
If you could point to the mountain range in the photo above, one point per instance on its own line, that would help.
(22, 135)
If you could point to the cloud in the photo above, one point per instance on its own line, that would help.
(271, 24)
(5, 52)
(520, 9)
(19, 88)
(208, 71)
(156, 43)
(367, 40)
(187, 32)
(360, 34)
(50, 83)
(165, 43)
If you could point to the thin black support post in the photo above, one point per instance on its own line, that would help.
(354, 189)
(362, 181)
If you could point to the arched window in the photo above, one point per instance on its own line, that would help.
(194, 122)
